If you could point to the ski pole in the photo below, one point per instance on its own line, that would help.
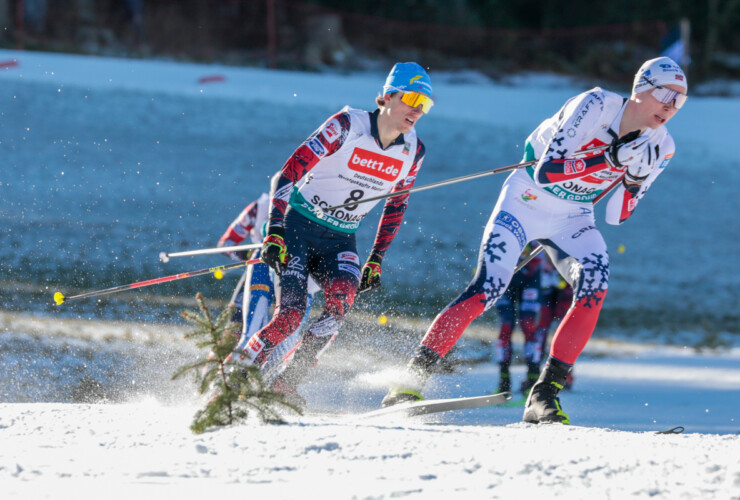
(320, 212)
(218, 272)
(165, 257)
(534, 251)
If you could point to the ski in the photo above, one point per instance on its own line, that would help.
(515, 403)
(426, 407)
(674, 430)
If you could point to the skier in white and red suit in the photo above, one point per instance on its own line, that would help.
(354, 155)
(552, 202)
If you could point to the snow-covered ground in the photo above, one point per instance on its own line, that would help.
(143, 447)
(143, 450)
(111, 161)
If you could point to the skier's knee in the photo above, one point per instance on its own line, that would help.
(339, 297)
(593, 281)
(283, 324)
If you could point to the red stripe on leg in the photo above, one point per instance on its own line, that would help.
(339, 296)
(576, 328)
(504, 335)
(528, 325)
(450, 324)
(283, 324)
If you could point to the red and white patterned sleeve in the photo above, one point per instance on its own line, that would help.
(325, 141)
(240, 228)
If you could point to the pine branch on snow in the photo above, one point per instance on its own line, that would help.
(238, 389)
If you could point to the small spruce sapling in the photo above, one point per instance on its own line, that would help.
(238, 388)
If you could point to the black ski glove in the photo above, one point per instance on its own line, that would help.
(274, 252)
(371, 272)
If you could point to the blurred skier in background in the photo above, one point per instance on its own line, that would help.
(556, 297)
(552, 202)
(521, 302)
(255, 292)
(354, 155)
(537, 297)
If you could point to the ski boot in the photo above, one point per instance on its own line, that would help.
(304, 359)
(543, 405)
(504, 382)
(397, 396)
(533, 373)
(527, 385)
(417, 372)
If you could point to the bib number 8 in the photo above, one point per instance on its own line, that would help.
(354, 195)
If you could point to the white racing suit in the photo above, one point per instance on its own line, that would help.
(552, 202)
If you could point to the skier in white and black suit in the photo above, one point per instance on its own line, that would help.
(552, 202)
(354, 155)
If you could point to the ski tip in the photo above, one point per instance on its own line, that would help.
(508, 395)
(674, 430)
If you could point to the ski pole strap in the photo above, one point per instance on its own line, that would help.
(674, 430)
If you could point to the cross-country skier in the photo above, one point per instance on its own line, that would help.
(552, 202)
(354, 155)
(520, 301)
(256, 281)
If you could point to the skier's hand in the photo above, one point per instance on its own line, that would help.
(274, 252)
(229, 239)
(371, 272)
(625, 150)
(238, 255)
(639, 168)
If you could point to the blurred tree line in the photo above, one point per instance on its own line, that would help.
(714, 23)
(599, 39)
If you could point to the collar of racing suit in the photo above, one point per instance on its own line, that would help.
(376, 135)
(617, 120)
